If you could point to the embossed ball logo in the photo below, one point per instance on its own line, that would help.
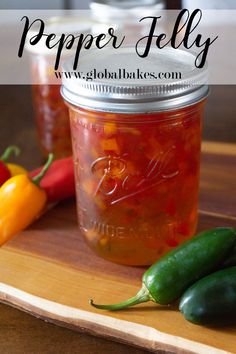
(117, 183)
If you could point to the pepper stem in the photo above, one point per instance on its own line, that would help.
(37, 179)
(142, 296)
(9, 151)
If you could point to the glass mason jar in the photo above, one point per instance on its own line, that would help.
(136, 147)
(51, 113)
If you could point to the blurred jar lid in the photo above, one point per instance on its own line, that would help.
(125, 4)
(104, 10)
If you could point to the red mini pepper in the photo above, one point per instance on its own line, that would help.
(5, 174)
(59, 181)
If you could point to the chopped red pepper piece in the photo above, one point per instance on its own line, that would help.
(183, 228)
(172, 242)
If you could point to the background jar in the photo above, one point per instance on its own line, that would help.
(137, 157)
(51, 113)
(124, 16)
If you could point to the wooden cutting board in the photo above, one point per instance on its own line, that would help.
(49, 272)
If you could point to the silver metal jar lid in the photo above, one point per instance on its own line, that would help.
(134, 95)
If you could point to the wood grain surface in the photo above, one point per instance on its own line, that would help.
(21, 333)
(49, 271)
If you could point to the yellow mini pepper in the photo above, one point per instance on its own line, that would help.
(16, 169)
(13, 169)
(21, 202)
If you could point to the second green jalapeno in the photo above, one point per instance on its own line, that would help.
(167, 279)
(212, 299)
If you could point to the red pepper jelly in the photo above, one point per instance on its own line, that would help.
(136, 146)
(51, 113)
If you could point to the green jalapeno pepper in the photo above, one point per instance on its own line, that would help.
(211, 300)
(231, 260)
(166, 280)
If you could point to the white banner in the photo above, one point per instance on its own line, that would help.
(34, 43)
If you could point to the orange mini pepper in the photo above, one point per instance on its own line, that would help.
(21, 202)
